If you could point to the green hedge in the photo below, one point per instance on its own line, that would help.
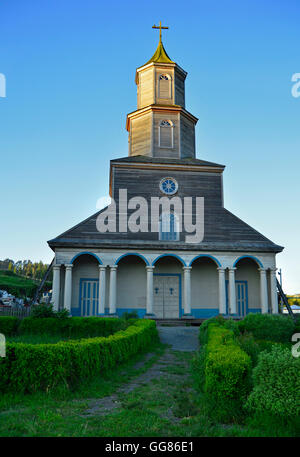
(276, 384)
(73, 327)
(28, 367)
(203, 332)
(223, 369)
(8, 325)
(70, 327)
(254, 347)
(227, 370)
(272, 327)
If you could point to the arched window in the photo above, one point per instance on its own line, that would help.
(164, 87)
(168, 227)
(165, 139)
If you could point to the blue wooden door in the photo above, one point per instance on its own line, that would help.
(241, 297)
(241, 289)
(89, 297)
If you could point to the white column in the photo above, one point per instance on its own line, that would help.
(232, 293)
(274, 296)
(263, 291)
(102, 289)
(187, 290)
(149, 304)
(68, 287)
(55, 287)
(113, 289)
(222, 291)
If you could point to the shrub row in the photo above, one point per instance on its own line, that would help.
(271, 327)
(271, 393)
(276, 384)
(70, 327)
(28, 368)
(227, 370)
(254, 347)
(219, 320)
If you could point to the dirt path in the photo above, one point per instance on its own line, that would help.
(170, 370)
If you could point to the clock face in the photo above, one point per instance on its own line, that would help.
(168, 186)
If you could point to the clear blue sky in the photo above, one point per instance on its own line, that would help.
(70, 68)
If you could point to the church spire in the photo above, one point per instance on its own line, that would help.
(161, 126)
(160, 55)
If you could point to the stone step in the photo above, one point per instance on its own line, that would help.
(179, 322)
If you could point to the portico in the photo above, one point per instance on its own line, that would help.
(168, 286)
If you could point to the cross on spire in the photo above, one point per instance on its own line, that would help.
(160, 27)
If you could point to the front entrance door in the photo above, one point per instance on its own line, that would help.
(89, 297)
(166, 296)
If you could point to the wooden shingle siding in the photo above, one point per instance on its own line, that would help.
(223, 230)
(187, 137)
(140, 135)
(179, 90)
(144, 134)
(145, 183)
(145, 88)
(161, 91)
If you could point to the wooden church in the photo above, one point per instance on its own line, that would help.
(231, 271)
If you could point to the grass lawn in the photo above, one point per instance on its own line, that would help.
(153, 395)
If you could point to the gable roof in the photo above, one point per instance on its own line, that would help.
(223, 232)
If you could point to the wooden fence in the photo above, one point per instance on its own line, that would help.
(17, 312)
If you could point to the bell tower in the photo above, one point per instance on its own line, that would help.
(161, 126)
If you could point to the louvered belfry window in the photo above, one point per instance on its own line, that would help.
(166, 134)
(164, 86)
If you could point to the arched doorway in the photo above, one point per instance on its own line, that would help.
(204, 287)
(167, 287)
(85, 285)
(131, 285)
(247, 281)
